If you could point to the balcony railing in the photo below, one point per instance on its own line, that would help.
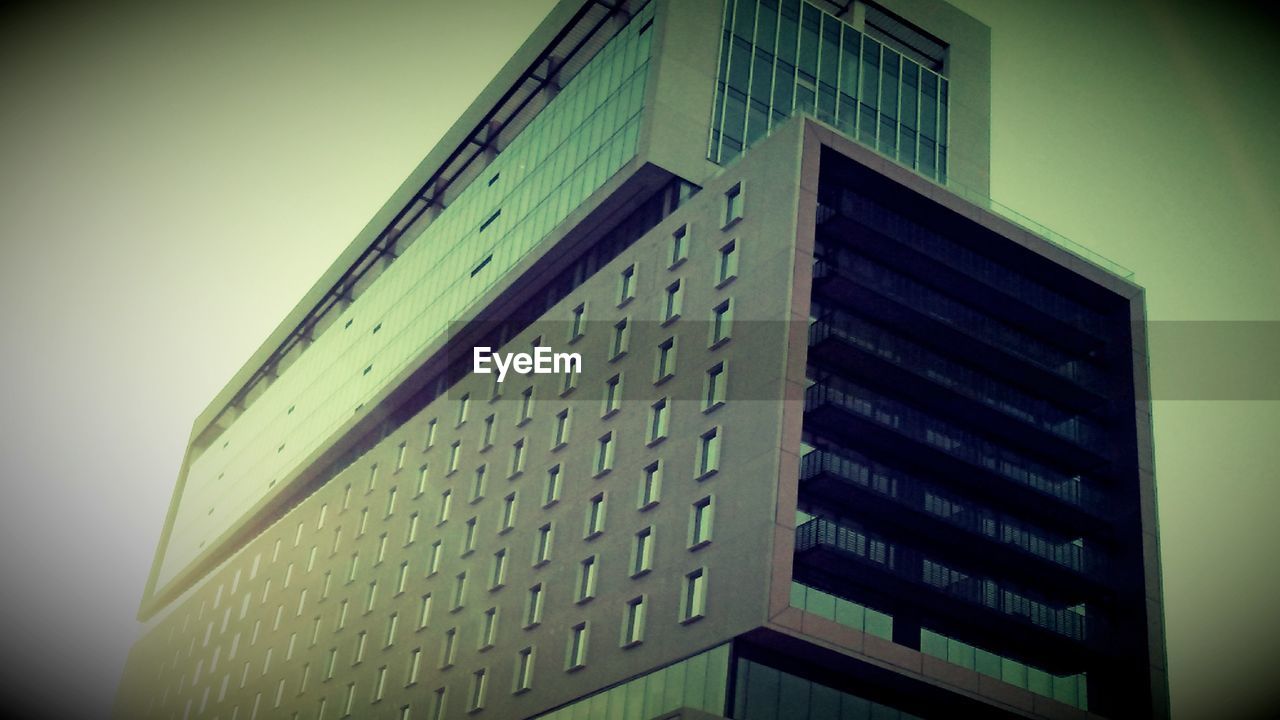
(962, 318)
(916, 568)
(963, 380)
(928, 498)
(952, 441)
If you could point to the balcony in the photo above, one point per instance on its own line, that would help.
(846, 343)
(866, 420)
(851, 483)
(843, 557)
(949, 326)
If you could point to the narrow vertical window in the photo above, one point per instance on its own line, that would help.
(517, 457)
(411, 531)
(714, 394)
(533, 608)
(455, 451)
(578, 327)
(477, 690)
(424, 611)
(431, 434)
(651, 485)
(577, 655)
(498, 576)
(433, 557)
(612, 395)
(477, 484)
(621, 339)
(569, 381)
(700, 523)
(449, 648)
(469, 537)
(464, 403)
(666, 365)
(487, 439)
(679, 246)
(415, 665)
(526, 405)
(459, 590)
(633, 622)
(733, 204)
(446, 501)
(709, 453)
(561, 435)
(587, 579)
(488, 628)
(727, 263)
(673, 302)
(595, 516)
(642, 555)
(373, 478)
(524, 670)
(542, 547)
(437, 704)
(392, 494)
(552, 493)
(401, 453)
(393, 622)
(604, 454)
(627, 285)
(694, 602)
(508, 513)
(658, 421)
(402, 577)
(721, 322)
(422, 481)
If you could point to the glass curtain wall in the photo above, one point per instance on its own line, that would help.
(782, 57)
(579, 140)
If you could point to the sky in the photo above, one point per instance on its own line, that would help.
(174, 177)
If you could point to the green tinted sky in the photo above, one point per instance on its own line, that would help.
(174, 178)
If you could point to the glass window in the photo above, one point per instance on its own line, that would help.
(733, 204)
(642, 555)
(658, 421)
(487, 440)
(526, 405)
(694, 603)
(679, 246)
(561, 435)
(517, 457)
(700, 523)
(498, 577)
(666, 366)
(464, 403)
(604, 454)
(612, 395)
(488, 628)
(508, 512)
(674, 300)
(587, 579)
(651, 485)
(524, 670)
(727, 267)
(577, 655)
(633, 622)
(542, 548)
(627, 285)
(709, 453)
(552, 494)
(721, 322)
(621, 339)
(715, 387)
(578, 327)
(533, 606)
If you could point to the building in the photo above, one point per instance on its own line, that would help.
(845, 442)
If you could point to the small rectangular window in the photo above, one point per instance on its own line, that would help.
(568, 381)
(391, 501)
(658, 421)
(721, 323)
(577, 655)
(464, 403)
(469, 537)
(446, 500)
(561, 436)
(578, 327)
(526, 406)
(673, 302)
(373, 478)
(437, 704)
(700, 523)
(431, 434)
(587, 579)
(642, 555)
(604, 454)
(422, 481)
(498, 577)
(633, 622)
(612, 395)
(542, 547)
(488, 628)
(524, 670)
(595, 516)
(402, 577)
(714, 392)
(455, 452)
(486, 441)
(508, 513)
(459, 590)
(552, 493)
(727, 265)
(621, 339)
(517, 457)
(679, 246)
(449, 648)
(651, 485)
(533, 608)
(477, 484)
(709, 453)
(433, 557)
(401, 453)
(393, 622)
(411, 530)
(477, 690)
(627, 285)
(666, 365)
(694, 602)
(733, 204)
(424, 611)
(415, 666)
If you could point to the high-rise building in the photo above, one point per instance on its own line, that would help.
(845, 441)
